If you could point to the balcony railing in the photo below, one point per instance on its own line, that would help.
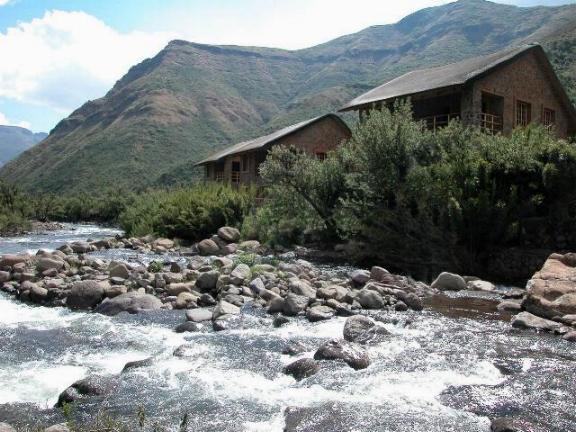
(438, 121)
(491, 123)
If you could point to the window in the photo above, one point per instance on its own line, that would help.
(219, 176)
(523, 113)
(320, 156)
(245, 163)
(548, 118)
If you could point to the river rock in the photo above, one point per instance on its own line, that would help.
(131, 302)
(62, 427)
(530, 321)
(94, 385)
(81, 247)
(186, 300)
(570, 336)
(370, 299)
(208, 247)
(364, 330)
(319, 313)
(379, 274)
(85, 295)
(302, 288)
(163, 243)
(117, 269)
(175, 289)
(257, 286)
(198, 315)
(250, 246)
(11, 260)
(44, 264)
(207, 281)
(4, 276)
(410, 299)
(510, 306)
(5, 427)
(335, 292)
(302, 368)
(504, 424)
(38, 294)
(353, 355)
(240, 274)
(224, 308)
(187, 327)
(136, 364)
(229, 234)
(293, 304)
(480, 285)
(449, 282)
(360, 277)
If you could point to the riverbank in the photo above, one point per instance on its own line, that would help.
(238, 367)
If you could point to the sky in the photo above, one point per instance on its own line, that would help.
(57, 54)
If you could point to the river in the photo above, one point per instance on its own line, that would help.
(438, 372)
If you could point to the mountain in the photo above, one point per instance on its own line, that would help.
(191, 99)
(15, 140)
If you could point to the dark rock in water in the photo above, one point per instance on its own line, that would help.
(326, 418)
(319, 313)
(410, 299)
(198, 315)
(508, 366)
(370, 299)
(94, 385)
(505, 424)
(294, 348)
(362, 329)
(302, 368)
(354, 356)
(182, 351)
(280, 320)
(570, 337)
(473, 399)
(526, 320)
(132, 302)
(138, 364)
(294, 304)
(400, 306)
(29, 416)
(85, 295)
(186, 327)
(206, 300)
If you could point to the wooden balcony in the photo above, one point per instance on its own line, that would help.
(491, 123)
(439, 121)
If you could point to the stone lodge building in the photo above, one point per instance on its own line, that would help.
(239, 164)
(497, 92)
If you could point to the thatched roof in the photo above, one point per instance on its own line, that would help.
(455, 74)
(263, 141)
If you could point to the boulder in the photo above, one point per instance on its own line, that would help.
(132, 302)
(480, 285)
(44, 264)
(302, 368)
(186, 300)
(410, 299)
(81, 247)
(570, 336)
(136, 364)
(379, 274)
(5, 427)
(362, 329)
(117, 269)
(529, 321)
(12, 260)
(85, 294)
(360, 277)
(208, 247)
(94, 385)
(4, 276)
(163, 243)
(293, 304)
(370, 299)
(38, 294)
(250, 246)
(62, 427)
(224, 308)
(240, 274)
(198, 315)
(207, 281)
(294, 348)
(302, 288)
(335, 292)
(187, 327)
(229, 234)
(449, 282)
(175, 289)
(354, 356)
(319, 313)
(504, 424)
(509, 306)
(257, 286)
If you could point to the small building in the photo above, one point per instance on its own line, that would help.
(497, 92)
(239, 164)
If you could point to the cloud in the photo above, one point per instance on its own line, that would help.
(4, 2)
(64, 58)
(5, 122)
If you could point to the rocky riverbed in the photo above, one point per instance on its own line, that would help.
(231, 338)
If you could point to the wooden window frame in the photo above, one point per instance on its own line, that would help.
(523, 113)
(244, 163)
(321, 156)
(548, 118)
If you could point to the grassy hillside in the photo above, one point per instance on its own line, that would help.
(191, 99)
(15, 140)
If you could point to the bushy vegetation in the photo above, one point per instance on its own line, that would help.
(413, 197)
(191, 213)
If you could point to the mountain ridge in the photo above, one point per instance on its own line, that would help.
(191, 99)
(15, 140)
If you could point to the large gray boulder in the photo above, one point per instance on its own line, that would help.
(335, 292)
(370, 299)
(449, 282)
(207, 281)
(302, 368)
(293, 304)
(360, 277)
(94, 385)
(46, 263)
(117, 269)
(132, 302)
(85, 294)
(81, 247)
(302, 288)
(379, 274)
(224, 308)
(229, 234)
(528, 321)
(198, 315)
(354, 356)
(12, 260)
(208, 247)
(240, 274)
(319, 313)
(362, 329)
